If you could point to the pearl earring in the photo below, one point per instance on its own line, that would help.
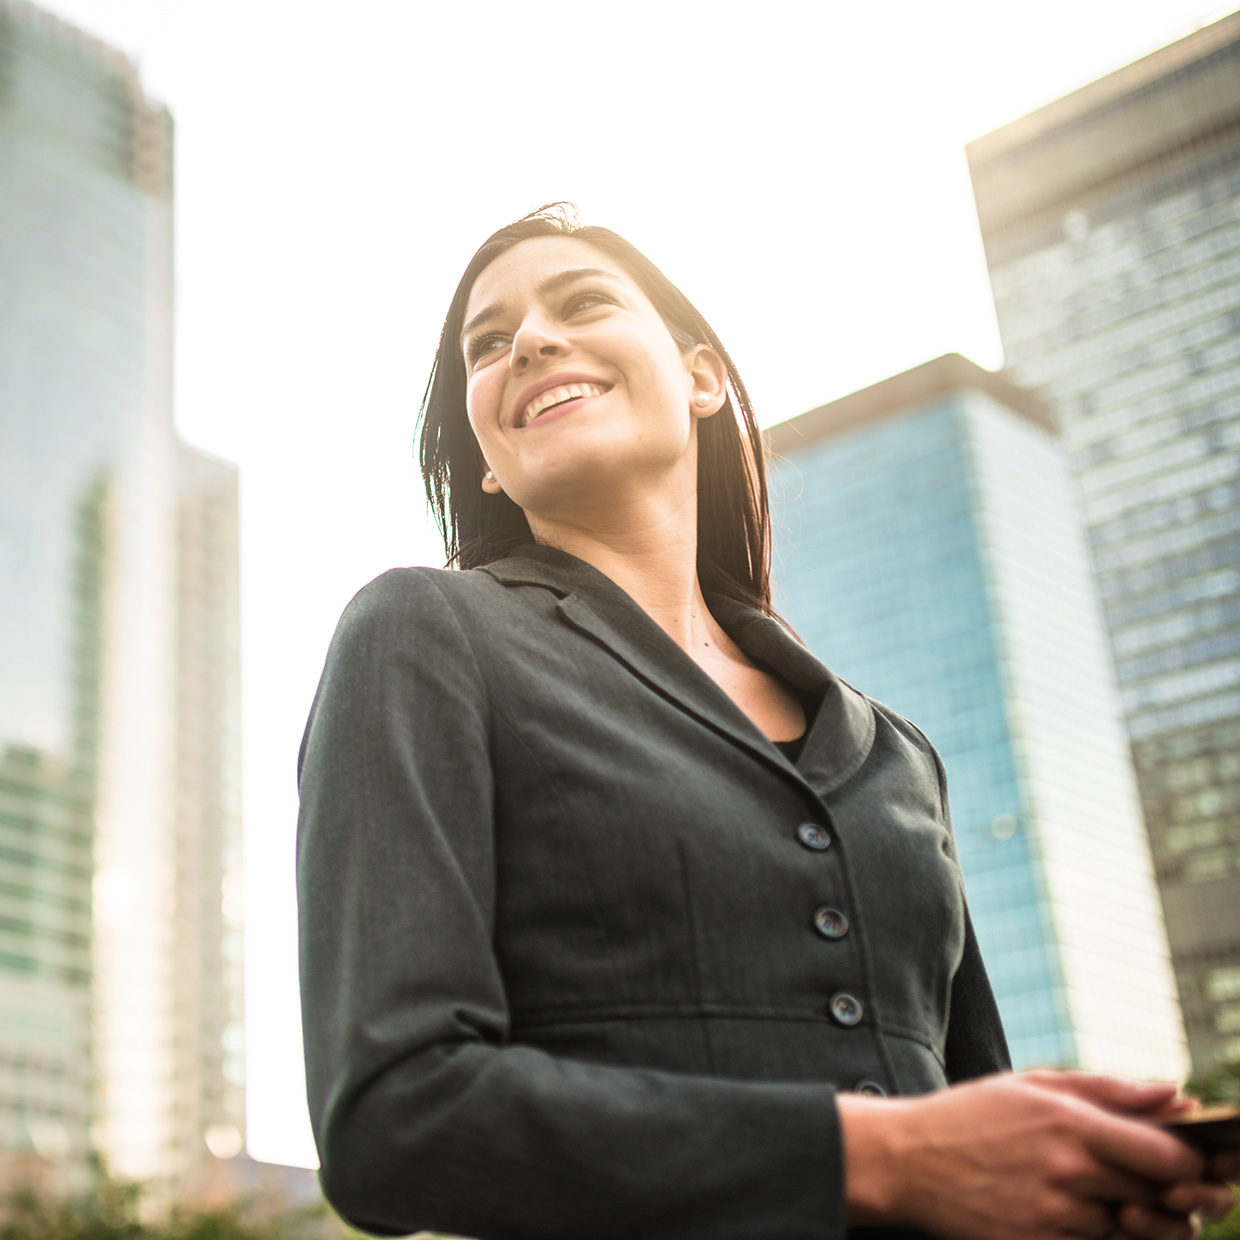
(489, 476)
(702, 399)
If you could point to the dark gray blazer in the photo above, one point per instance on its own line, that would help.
(583, 956)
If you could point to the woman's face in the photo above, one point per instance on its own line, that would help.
(576, 391)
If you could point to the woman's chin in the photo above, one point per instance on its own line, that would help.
(590, 480)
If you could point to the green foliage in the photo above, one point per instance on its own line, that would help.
(233, 1224)
(112, 1212)
(1220, 1084)
(109, 1214)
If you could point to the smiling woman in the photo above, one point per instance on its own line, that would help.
(579, 289)
(621, 915)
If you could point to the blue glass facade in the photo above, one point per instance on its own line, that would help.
(879, 568)
(890, 562)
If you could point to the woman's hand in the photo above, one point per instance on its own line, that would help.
(1172, 1216)
(1026, 1157)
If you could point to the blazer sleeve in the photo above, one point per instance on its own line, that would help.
(425, 1115)
(976, 1044)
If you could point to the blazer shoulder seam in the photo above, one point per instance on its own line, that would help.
(448, 602)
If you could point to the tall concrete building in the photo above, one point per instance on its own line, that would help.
(928, 548)
(208, 1083)
(1111, 220)
(117, 843)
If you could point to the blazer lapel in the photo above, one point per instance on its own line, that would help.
(842, 733)
(595, 606)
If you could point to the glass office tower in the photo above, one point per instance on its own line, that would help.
(927, 547)
(118, 667)
(87, 592)
(1111, 219)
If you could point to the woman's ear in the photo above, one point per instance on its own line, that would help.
(709, 379)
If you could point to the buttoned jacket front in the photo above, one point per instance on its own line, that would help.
(583, 954)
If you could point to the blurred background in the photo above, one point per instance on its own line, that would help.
(1000, 242)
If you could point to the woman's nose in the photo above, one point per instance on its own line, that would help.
(534, 339)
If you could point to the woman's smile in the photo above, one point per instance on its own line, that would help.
(556, 393)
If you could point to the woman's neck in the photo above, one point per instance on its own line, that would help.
(652, 556)
(650, 552)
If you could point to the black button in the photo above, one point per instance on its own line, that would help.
(870, 1088)
(846, 1009)
(830, 923)
(814, 837)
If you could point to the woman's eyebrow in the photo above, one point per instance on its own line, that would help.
(556, 282)
(487, 312)
(551, 284)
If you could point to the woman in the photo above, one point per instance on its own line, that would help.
(619, 912)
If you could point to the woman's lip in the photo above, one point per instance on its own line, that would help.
(565, 406)
(560, 379)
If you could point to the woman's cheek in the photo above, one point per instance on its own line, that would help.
(482, 406)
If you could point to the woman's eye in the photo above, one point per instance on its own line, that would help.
(584, 301)
(479, 348)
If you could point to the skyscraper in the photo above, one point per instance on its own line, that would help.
(1111, 220)
(208, 984)
(927, 547)
(106, 729)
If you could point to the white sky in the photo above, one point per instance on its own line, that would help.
(796, 167)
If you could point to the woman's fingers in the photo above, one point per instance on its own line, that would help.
(1090, 1219)
(1139, 1148)
(1113, 1092)
(1215, 1201)
(1225, 1166)
(1180, 1106)
(1103, 1183)
(1150, 1223)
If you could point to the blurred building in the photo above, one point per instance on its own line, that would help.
(928, 548)
(208, 1082)
(1111, 220)
(119, 988)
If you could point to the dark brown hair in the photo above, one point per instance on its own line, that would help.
(734, 526)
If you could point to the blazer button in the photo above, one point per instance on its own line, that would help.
(830, 923)
(872, 1089)
(845, 1009)
(814, 837)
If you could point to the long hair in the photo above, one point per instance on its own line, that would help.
(733, 523)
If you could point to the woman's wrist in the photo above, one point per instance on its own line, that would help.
(871, 1131)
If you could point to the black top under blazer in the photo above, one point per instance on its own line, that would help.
(583, 955)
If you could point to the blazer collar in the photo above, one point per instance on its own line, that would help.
(843, 730)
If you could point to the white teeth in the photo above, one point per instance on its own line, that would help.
(557, 396)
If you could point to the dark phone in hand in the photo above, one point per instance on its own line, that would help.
(1210, 1129)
